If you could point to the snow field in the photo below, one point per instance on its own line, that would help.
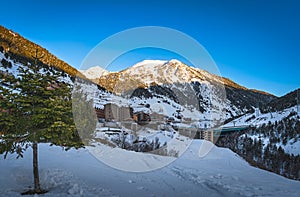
(77, 173)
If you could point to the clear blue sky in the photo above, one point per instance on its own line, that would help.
(254, 42)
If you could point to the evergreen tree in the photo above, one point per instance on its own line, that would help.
(36, 107)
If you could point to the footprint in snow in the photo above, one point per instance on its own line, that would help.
(131, 181)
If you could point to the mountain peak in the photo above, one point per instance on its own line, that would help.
(160, 72)
(94, 72)
(175, 61)
(149, 63)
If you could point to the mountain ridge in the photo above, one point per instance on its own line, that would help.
(16, 44)
(142, 65)
(13, 44)
(286, 101)
(180, 82)
(94, 72)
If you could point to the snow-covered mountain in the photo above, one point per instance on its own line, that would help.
(166, 72)
(183, 84)
(149, 63)
(159, 72)
(149, 72)
(94, 72)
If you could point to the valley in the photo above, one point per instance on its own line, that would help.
(155, 116)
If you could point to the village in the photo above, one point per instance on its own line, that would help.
(127, 126)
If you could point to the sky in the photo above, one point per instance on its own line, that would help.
(255, 43)
(131, 57)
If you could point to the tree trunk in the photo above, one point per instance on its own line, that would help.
(37, 187)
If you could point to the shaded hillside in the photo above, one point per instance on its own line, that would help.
(273, 146)
(247, 99)
(23, 51)
(281, 103)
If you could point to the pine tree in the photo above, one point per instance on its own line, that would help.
(36, 107)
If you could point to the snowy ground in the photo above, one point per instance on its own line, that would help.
(292, 146)
(261, 118)
(78, 173)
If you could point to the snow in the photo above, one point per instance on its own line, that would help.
(165, 72)
(128, 160)
(166, 108)
(77, 173)
(16, 65)
(292, 147)
(100, 98)
(175, 61)
(176, 76)
(261, 118)
(94, 72)
(203, 168)
(14, 69)
(149, 63)
(265, 140)
(158, 71)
